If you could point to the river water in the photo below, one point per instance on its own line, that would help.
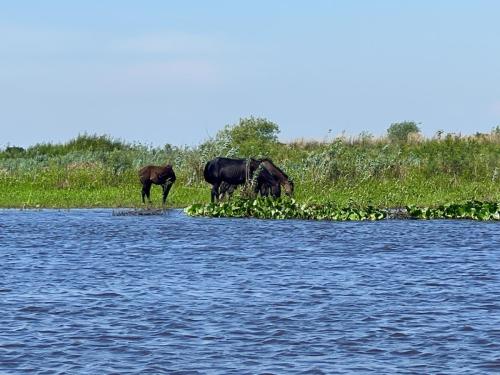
(87, 292)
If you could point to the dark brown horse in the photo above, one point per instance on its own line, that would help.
(152, 174)
(278, 178)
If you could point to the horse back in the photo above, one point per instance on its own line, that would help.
(156, 174)
(275, 171)
(145, 173)
(232, 171)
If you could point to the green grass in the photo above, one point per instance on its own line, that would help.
(26, 191)
(27, 194)
(96, 171)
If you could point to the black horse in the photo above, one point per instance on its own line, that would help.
(263, 182)
(266, 177)
(152, 174)
(233, 172)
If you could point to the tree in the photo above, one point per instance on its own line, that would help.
(14, 151)
(250, 136)
(399, 131)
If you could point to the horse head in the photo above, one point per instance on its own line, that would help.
(289, 187)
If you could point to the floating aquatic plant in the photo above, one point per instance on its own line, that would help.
(474, 210)
(284, 208)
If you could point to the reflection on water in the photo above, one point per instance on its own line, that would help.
(83, 291)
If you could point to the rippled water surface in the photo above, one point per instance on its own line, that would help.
(83, 291)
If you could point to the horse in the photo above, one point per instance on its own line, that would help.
(228, 173)
(268, 181)
(273, 185)
(158, 175)
(262, 181)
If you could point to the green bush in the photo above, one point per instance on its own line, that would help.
(83, 142)
(13, 152)
(251, 137)
(399, 131)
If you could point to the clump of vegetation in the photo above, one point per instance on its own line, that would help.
(250, 137)
(284, 208)
(82, 143)
(474, 210)
(401, 131)
(266, 208)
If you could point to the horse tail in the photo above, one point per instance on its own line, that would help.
(205, 170)
(211, 171)
(247, 170)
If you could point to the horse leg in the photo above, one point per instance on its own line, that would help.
(143, 193)
(276, 191)
(262, 188)
(226, 189)
(215, 193)
(231, 190)
(166, 188)
(146, 191)
(222, 190)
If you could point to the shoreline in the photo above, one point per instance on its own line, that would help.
(393, 213)
(398, 213)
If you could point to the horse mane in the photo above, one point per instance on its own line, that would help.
(275, 166)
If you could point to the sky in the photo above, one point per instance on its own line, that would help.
(176, 72)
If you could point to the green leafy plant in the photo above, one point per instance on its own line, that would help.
(474, 210)
(399, 131)
(250, 136)
(284, 208)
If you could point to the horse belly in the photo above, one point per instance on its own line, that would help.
(233, 179)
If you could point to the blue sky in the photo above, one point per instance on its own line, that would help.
(161, 72)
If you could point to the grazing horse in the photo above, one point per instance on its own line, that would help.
(268, 181)
(262, 181)
(229, 172)
(152, 174)
(278, 177)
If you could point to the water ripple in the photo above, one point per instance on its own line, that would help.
(88, 292)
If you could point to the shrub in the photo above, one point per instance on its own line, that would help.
(14, 152)
(251, 136)
(399, 131)
(83, 142)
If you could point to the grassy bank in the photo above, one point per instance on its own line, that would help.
(98, 171)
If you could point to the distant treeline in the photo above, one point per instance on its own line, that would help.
(401, 168)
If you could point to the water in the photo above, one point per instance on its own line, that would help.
(86, 292)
